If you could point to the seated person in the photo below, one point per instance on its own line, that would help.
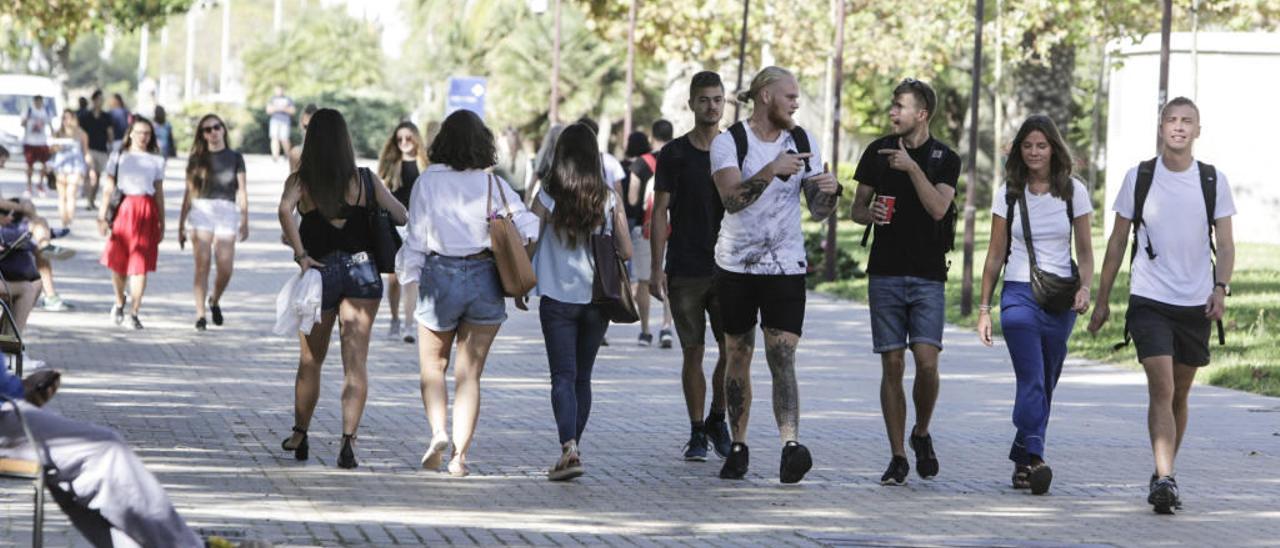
(18, 269)
(22, 212)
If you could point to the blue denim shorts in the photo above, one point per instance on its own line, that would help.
(453, 290)
(348, 276)
(906, 310)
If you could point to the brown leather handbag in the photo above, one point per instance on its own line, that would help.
(611, 286)
(514, 267)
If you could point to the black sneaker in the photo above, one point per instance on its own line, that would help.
(926, 460)
(735, 467)
(1164, 495)
(216, 312)
(796, 462)
(897, 472)
(696, 449)
(664, 338)
(135, 322)
(201, 324)
(718, 435)
(645, 339)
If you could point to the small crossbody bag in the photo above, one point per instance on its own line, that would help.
(1052, 292)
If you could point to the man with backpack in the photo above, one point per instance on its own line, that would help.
(912, 177)
(760, 167)
(638, 194)
(1175, 205)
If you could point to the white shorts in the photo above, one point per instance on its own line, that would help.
(641, 256)
(221, 217)
(278, 130)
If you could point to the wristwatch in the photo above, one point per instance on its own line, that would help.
(1226, 289)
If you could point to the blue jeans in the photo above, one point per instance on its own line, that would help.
(906, 310)
(1037, 343)
(348, 276)
(572, 333)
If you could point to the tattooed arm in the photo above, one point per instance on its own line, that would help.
(822, 192)
(738, 192)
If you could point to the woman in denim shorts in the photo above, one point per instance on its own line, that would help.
(333, 237)
(460, 297)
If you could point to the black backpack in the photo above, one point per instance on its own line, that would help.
(739, 133)
(1141, 188)
(946, 227)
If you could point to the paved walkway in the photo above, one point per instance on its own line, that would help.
(207, 411)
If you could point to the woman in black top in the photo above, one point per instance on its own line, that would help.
(216, 203)
(399, 165)
(335, 200)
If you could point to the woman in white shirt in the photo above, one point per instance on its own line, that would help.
(1038, 173)
(134, 237)
(460, 297)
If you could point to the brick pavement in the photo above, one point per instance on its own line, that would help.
(207, 411)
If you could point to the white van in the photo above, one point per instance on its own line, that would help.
(16, 94)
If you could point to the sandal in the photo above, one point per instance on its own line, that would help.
(431, 460)
(1039, 478)
(1021, 476)
(303, 449)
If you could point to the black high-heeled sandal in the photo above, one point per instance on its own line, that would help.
(303, 450)
(347, 456)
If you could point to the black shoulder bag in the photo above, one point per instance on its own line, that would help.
(385, 240)
(117, 195)
(1054, 293)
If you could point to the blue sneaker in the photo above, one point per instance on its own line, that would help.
(718, 435)
(696, 449)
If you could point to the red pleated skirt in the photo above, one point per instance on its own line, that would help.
(135, 237)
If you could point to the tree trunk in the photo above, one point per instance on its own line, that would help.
(1043, 85)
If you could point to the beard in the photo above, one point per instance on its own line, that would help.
(780, 118)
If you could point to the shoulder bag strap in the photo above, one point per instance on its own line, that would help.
(1026, 230)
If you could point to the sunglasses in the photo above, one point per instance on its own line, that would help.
(923, 89)
(212, 128)
(404, 139)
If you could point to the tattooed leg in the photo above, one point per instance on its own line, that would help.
(780, 350)
(737, 384)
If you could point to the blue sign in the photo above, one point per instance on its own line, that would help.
(466, 92)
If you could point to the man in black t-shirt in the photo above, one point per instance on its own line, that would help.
(97, 126)
(684, 191)
(912, 178)
(638, 201)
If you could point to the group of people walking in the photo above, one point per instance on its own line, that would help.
(724, 237)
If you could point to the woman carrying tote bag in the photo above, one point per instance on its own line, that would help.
(1041, 194)
(460, 297)
(574, 203)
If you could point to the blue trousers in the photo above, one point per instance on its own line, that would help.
(572, 333)
(1037, 343)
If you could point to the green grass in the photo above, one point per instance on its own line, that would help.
(1250, 360)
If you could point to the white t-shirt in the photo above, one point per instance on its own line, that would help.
(447, 211)
(764, 238)
(138, 173)
(613, 172)
(1050, 232)
(36, 129)
(1181, 274)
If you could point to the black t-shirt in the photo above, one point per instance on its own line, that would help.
(912, 243)
(95, 126)
(696, 209)
(221, 183)
(408, 176)
(640, 168)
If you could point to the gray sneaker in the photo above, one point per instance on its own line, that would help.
(54, 303)
(57, 252)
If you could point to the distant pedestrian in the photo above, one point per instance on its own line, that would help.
(574, 203)
(336, 200)
(216, 202)
(461, 299)
(1039, 193)
(760, 167)
(71, 162)
(295, 153)
(164, 133)
(121, 119)
(685, 193)
(638, 197)
(1180, 210)
(134, 237)
(912, 177)
(280, 110)
(98, 126)
(402, 160)
(36, 129)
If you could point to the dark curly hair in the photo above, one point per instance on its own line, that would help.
(464, 143)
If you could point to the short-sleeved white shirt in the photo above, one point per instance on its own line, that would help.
(138, 173)
(764, 238)
(36, 129)
(1050, 232)
(1174, 220)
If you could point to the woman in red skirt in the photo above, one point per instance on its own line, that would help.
(133, 239)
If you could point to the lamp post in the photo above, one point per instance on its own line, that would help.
(971, 185)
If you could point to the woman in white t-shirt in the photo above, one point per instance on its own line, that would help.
(133, 238)
(1038, 172)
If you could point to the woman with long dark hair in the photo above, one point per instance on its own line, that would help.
(402, 160)
(134, 236)
(461, 297)
(336, 201)
(1039, 192)
(574, 203)
(216, 203)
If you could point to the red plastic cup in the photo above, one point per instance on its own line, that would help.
(888, 202)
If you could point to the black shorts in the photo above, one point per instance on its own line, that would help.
(1160, 329)
(777, 299)
(693, 300)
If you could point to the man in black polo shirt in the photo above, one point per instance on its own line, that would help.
(684, 190)
(97, 125)
(912, 178)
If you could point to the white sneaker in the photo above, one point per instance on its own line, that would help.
(394, 332)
